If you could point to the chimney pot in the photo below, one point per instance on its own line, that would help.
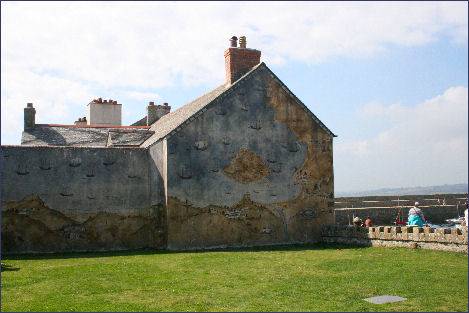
(152, 103)
(242, 42)
(29, 105)
(81, 121)
(234, 42)
(240, 61)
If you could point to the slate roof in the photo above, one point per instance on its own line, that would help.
(71, 135)
(133, 137)
(141, 122)
(138, 134)
(170, 122)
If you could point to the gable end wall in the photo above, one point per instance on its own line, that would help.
(255, 168)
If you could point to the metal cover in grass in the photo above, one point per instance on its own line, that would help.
(384, 299)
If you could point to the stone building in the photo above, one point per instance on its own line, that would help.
(245, 164)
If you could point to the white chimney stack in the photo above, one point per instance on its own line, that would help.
(104, 113)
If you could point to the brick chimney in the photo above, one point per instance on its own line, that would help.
(29, 116)
(239, 60)
(155, 112)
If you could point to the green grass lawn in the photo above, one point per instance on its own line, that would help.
(299, 278)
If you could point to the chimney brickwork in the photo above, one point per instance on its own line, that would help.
(239, 60)
(29, 116)
(155, 112)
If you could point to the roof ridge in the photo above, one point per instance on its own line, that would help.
(163, 127)
(93, 126)
(166, 116)
(209, 92)
(222, 89)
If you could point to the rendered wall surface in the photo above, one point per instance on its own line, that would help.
(253, 169)
(104, 114)
(78, 199)
(157, 172)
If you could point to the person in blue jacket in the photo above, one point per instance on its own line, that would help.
(416, 217)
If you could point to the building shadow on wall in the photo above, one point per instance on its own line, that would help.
(74, 255)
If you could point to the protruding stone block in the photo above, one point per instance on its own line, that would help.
(440, 235)
(387, 232)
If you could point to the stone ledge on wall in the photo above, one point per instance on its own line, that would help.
(447, 239)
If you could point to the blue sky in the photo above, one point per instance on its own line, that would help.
(337, 89)
(390, 79)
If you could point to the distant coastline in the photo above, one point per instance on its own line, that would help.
(428, 190)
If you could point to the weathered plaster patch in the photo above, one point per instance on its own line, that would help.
(29, 225)
(246, 167)
(315, 175)
(314, 204)
(243, 224)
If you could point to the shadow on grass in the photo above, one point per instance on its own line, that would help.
(99, 254)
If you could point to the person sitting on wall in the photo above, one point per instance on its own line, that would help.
(368, 222)
(357, 221)
(416, 217)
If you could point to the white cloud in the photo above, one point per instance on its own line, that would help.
(60, 49)
(56, 97)
(150, 45)
(426, 144)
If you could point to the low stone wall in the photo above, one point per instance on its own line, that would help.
(390, 201)
(447, 239)
(387, 215)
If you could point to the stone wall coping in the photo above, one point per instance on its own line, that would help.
(396, 207)
(399, 233)
(72, 147)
